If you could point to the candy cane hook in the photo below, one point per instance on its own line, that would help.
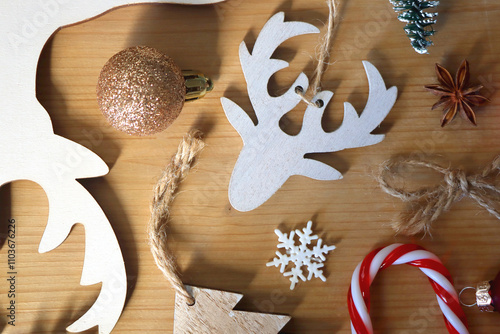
(358, 297)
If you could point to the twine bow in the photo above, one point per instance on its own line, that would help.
(427, 204)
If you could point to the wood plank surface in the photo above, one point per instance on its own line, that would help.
(220, 248)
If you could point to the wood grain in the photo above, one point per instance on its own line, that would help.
(220, 248)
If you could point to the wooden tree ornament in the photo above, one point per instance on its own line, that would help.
(213, 313)
(31, 151)
(270, 156)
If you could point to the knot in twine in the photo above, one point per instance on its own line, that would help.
(163, 195)
(323, 55)
(427, 204)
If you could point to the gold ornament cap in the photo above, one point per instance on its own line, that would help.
(141, 91)
(483, 297)
(197, 85)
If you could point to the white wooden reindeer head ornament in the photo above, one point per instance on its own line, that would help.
(269, 155)
(31, 151)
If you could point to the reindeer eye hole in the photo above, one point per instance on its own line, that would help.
(299, 90)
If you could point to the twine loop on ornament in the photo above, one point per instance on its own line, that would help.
(427, 204)
(163, 195)
(322, 58)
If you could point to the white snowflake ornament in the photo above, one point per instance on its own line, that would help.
(300, 255)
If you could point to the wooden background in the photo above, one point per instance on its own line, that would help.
(220, 248)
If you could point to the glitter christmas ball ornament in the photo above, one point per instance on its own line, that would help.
(141, 91)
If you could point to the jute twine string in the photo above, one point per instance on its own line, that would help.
(163, 195)
(427, 204)
(323, 55)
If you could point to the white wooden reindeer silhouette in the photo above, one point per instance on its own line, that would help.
(31, 151)
(269, 155)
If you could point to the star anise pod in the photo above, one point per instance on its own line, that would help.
(457, 96)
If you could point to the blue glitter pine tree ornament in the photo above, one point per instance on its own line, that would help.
(418, 22)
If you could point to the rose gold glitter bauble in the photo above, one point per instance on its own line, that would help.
(141, 91)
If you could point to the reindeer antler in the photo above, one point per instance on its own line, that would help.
(258, 67)
(355, 130)
(31, 151)
(270, 156)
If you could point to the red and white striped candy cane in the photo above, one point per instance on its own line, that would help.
(358, 298)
